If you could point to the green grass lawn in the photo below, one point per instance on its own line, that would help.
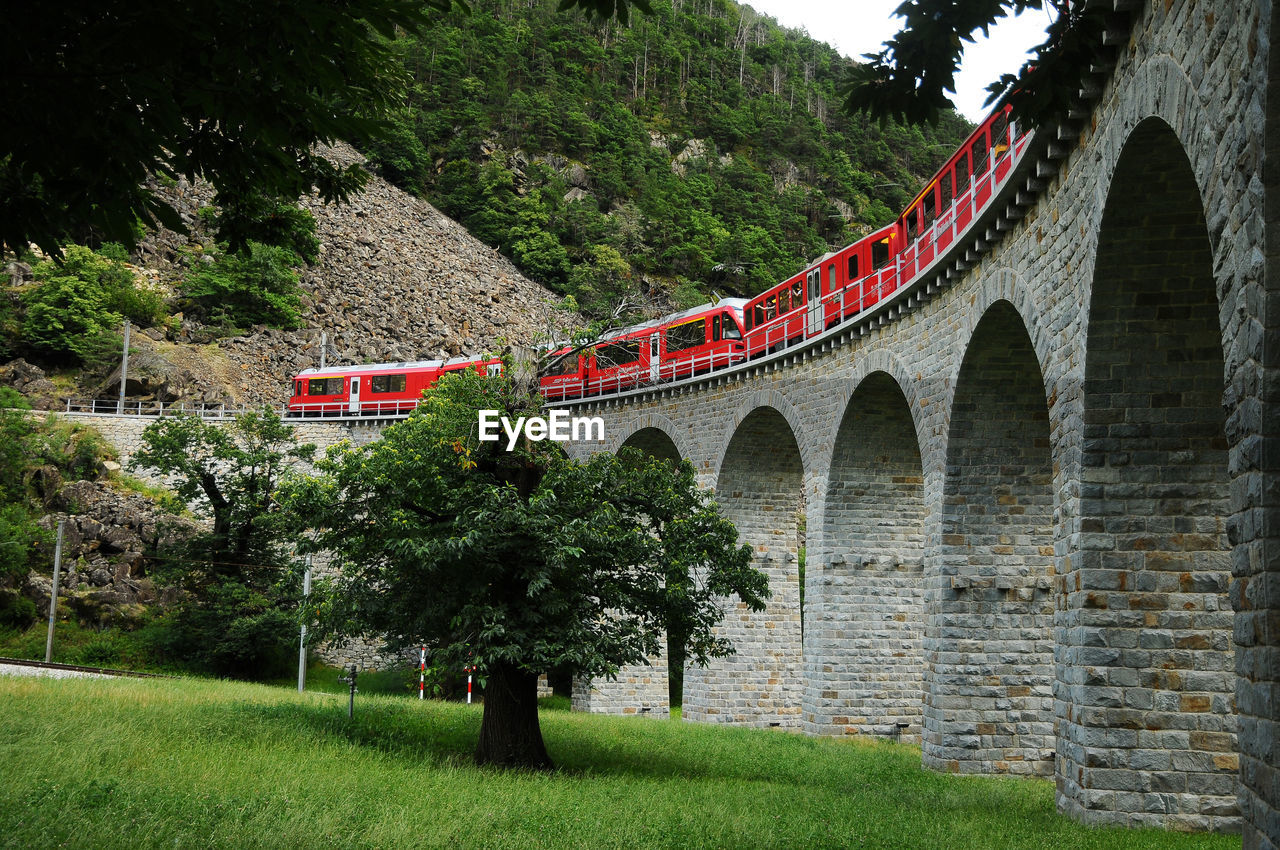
(145, 763)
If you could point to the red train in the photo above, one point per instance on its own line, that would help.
(835, 288)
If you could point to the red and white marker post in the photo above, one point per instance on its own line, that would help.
(422, 675)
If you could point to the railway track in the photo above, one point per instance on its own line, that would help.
(77, 668)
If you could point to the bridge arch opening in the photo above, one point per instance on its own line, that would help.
(988, 651)
(639, 689)
(866, 614)
(654, 442)
(658, 443)
(1146, 657)
(760, 488)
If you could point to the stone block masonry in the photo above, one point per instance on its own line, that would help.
(1037, 496)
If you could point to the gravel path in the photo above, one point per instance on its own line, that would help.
(23, 670)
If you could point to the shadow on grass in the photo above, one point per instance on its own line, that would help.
(446, 734)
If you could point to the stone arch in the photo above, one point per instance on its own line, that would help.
(1146, 675)
(760, 488)
(864, 613)
(652, 428)
(656, 686)
(1007, 285)
(987, 647)
(780, 405)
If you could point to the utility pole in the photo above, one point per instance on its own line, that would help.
(302, 641)
(124, 368)
(53, 595)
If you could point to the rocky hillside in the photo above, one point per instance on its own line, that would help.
(396, 280)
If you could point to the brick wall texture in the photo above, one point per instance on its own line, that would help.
(1038, 492)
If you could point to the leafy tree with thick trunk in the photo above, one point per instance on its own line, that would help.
(518, 561)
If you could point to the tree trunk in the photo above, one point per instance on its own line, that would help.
(509, 732)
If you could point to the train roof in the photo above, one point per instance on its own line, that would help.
(408, 364)
(734, 303)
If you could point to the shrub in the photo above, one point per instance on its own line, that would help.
(239, 290)
(268, 221)
(73, 313)
(16, 611)
(231, 630)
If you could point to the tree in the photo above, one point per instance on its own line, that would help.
(235, 91)
(239, 290)
(909, 78)
(241, 586)
(518, 561)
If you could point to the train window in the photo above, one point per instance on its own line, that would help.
(771, 307)
(913, 224)
(944, 190)
(831, 277)
(567, 366)
(686, 335)
(325, 386)
(1000, 134)
(929, 207)
(879, 253)
(617, 354)
(387, 384)
(731, 329)
(853, 267)
(979, 151)
(297, 387)
(757, 316)
(797, 292)
(962, 173)
(715, 329)
(815, 283)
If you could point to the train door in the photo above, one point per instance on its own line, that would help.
(655, 358)
(815, 301)
(354, 406)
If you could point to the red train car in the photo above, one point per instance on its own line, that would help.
(846, 282)
(378, 389)
(691, 342)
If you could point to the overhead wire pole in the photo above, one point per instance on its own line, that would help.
(124, 368)
(302, 640)
(53, 595)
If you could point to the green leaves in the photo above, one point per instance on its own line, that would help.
(235, 91)
(908, 80)
(524, 557)
(237, 290)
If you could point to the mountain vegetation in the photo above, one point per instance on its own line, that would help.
(698, 148)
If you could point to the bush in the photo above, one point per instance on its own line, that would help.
(230, 631)
(239, 290)
(73, 313)
(16, 611)
(267, 221)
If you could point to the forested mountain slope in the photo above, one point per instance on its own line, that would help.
(699, 148)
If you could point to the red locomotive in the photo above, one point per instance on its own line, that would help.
(835, 288)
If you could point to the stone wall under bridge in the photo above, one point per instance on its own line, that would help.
(1035, 493)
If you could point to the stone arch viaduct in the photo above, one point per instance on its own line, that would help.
(1035, 498)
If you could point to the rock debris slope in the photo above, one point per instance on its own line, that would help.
(396, 280)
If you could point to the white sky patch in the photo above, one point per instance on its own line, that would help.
(855, 28)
